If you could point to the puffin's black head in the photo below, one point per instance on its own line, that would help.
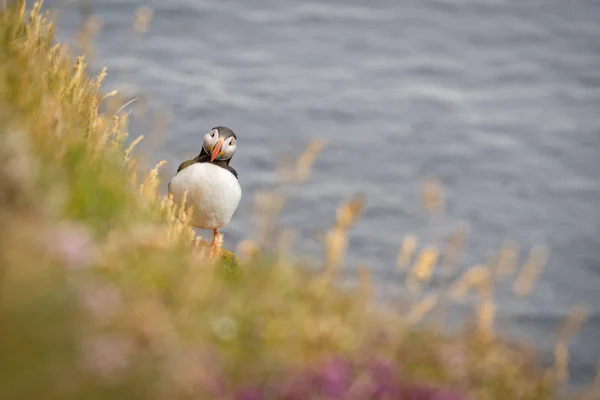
(220, 143)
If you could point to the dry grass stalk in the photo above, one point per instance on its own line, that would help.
(306, 160)
(247, 250)
(421, 309)
(455, 245)
(476, 276)
(132, 146)
(486, 314)
(284, 247)
(568, 328)
(593, 391)
(118, 124)
(348, 213)
(141, 20)
(196, 242)
(530, 271)
(365, 281)
(433, 196)
(407, 249)
(219, 242)
(336, 239)
(149, 186)
(561, 362)
(508, 258)
(268, 206)
(111, 93)
(178, 219)
(486, 287)
(573, 321)
(169, 207)
(335, 249)
(422, 270)
(130, 102)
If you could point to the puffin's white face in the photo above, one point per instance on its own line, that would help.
(217, 147)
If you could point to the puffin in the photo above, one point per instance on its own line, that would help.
(212, 185)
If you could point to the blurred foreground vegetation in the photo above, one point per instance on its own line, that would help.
(102, 295)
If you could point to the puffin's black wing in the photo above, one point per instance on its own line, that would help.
(186, 164)
(233, 171)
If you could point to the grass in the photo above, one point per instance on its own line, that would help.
(102, 295)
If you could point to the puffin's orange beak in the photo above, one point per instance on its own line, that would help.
(216, 151)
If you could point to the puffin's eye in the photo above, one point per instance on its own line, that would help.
(232, 142)
(213, 133)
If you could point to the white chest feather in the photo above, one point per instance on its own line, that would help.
(213, 192)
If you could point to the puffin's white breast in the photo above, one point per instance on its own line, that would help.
(213, 192)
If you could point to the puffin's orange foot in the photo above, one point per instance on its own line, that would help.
(215, 245)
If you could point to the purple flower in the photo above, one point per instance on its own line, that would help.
(335, 378)
(72, 244)
(249, 394)
(445, 395)
(101, 300)
(383, 377)
(299, 387)
(193, 368)
(418, 392)
(107, 356)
